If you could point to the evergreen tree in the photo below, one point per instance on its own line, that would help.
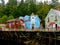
(12, 2)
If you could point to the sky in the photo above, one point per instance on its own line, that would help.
(6, 1)
(59, 0)
(43, 0)
(37, 1)
(20, 0)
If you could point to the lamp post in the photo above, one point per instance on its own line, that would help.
(56, 22)
(48, 23)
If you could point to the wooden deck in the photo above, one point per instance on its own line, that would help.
(33, 30)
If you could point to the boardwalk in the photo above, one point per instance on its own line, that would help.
(33, 30)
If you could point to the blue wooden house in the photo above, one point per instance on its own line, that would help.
(32, 21)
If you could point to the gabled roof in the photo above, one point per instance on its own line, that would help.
(2, 24)
(11, 20)
(53, 11)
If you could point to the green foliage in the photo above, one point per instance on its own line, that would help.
(43, 10)
(10, 17)
(11, 10)
(54, 1)
(1, 11)
(57, 6)
(1, 21)
(22, 10)
(4, 19)
(32, 7)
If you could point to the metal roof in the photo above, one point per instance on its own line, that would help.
(53, 11)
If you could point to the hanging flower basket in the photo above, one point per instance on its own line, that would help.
(52, 23)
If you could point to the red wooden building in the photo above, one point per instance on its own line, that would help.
(14, 23)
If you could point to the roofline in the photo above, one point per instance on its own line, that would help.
(50, 10)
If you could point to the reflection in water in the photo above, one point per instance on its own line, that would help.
(9, 42)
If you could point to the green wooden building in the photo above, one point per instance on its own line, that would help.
(52, 18)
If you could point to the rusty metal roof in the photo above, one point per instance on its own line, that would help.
(2, 24)
(12, 20)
